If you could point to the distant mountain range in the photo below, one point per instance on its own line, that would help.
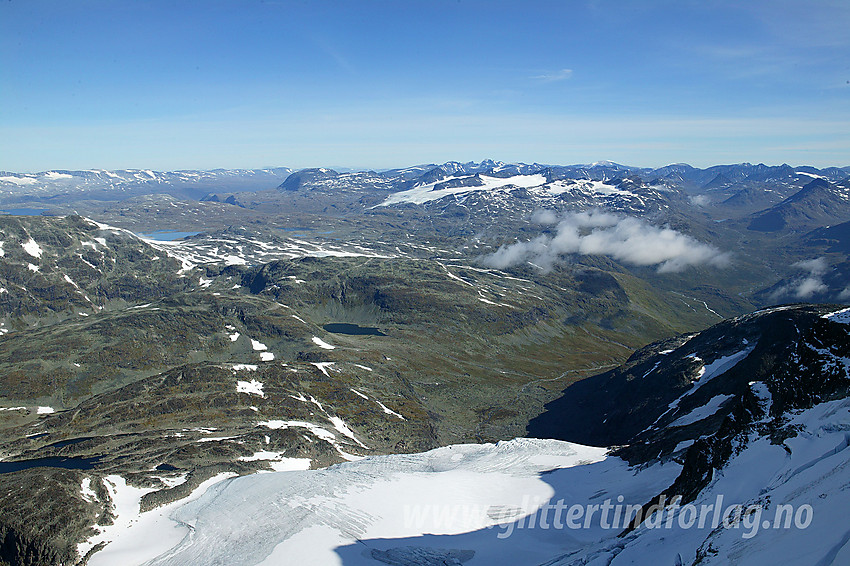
(61, 185)
(692, 179)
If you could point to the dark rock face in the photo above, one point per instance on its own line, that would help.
(230, 199)
(295, 181)
(792, 355)
(817, 204)
(31, 532)
(774, 346)
(435, 174)
(17, 549)
(473, 181)
(770, 221)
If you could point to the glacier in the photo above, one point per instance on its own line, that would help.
(487, 504)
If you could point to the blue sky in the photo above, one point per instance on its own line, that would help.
(377, 84)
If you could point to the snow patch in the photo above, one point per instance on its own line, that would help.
(358, 393)
(216, 438)
(277, 461)
(340, 425)
(252, 387)
(323, 367)
(86, 492)
(32, 248)
(700, 413)
(20, 181)
(762, 393)
(718, 367)
(318, 431)
(388, 410)
(841, 317)
(322, 344)
(56, 175)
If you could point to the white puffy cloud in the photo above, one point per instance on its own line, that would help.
(627, 239)
(809, 286)
(806, 286)
(700, 200)
(544, 216)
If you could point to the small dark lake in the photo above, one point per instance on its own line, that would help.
(352, 329)
(51, 462)
(62, 443)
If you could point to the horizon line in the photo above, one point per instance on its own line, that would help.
(359, 169)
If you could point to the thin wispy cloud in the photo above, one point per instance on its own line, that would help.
(813, 23)
(335, 55)
(751, 61)
(555, 76)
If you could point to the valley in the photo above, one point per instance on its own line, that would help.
(164, 330)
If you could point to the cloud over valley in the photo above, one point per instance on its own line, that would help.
(627, 239)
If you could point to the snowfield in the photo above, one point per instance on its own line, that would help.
(461, 186)
(136, 536)
(495, 504)
(454, 501)
(431, 191)
(318, 516)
